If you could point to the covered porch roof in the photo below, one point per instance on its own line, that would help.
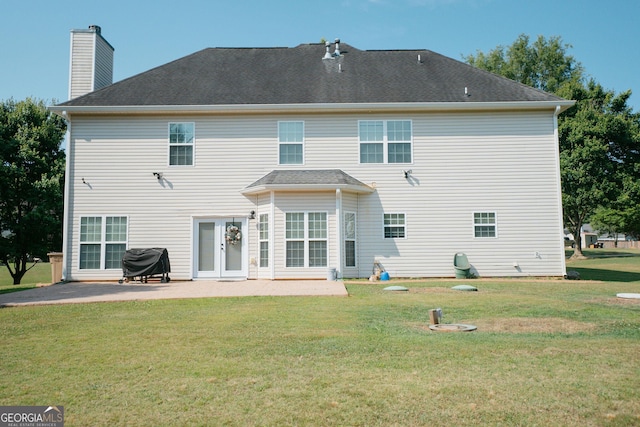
(307, 180)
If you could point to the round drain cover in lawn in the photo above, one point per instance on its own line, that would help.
(464, 288)
(452, 327)
(395, 288)
(625, 295)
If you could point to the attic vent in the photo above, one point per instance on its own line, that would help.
(327, 54)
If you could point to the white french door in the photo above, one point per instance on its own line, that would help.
(214, 256)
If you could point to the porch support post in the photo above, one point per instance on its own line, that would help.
(338, 260)
(272, 221)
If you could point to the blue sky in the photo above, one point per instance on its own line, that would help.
(34, 34)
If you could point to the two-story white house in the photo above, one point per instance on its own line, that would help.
(323, 156)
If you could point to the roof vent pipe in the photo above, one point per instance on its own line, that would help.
(327, 54)
(337, 52)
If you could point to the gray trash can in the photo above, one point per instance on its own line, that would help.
(331, 274)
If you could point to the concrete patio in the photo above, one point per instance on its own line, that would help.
(83, 292)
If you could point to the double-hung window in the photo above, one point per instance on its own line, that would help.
(349, 239)
(291, 143)
(484, 224)
(103, 241)
(263, 228)
(306, 239)
(181, 144)
(394, 226)
(387, 141)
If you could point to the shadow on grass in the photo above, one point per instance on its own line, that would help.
(603, 253)
(15, 288)
(606, 275)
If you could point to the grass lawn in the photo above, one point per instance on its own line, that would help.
(546, 353)
(38, 275)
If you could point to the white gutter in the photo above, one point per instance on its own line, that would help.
(556, 137)
(306, 187)
(339, 235)
(314, 108)
(271, 243)
(65, 215)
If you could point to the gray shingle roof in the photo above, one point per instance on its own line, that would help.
(321, 179)
(299, 75)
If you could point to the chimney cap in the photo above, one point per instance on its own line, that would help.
(95, 28)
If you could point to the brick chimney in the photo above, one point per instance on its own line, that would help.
(91, 62)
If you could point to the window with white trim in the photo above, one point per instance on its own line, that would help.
(306, 239)
(349, 239)
(181, 144)
(290, 143)
(385, 141)
(394, 226)
(263, 228)
(484, 224)
(103, 241)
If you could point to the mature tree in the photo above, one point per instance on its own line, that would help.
(31, 183)
(599, 140)
(599, 136)
(543, 64)
(624, 214)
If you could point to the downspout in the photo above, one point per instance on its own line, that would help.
(556, 138)
(272, 212)
(66, 197)
(338, 262)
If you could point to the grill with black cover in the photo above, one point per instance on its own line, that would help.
(144, 264)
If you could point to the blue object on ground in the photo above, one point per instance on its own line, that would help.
(384, 275)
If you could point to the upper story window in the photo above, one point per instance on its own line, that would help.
(387, 141)
(484, 224)
(181, 142)
(291, 143)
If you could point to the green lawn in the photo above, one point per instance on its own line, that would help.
(547, 352)
(38, 275)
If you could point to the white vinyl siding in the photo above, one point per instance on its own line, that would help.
(291, 143)
(462, 162)
(181, 144)
(103, 64)
(91, 63)
(81, 64)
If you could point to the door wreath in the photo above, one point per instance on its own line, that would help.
(233, 235)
